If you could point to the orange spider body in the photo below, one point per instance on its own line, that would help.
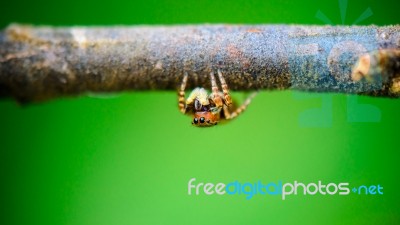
(208, 109)
(205, 119)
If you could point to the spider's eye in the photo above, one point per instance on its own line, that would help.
(195, 120)
(202, 120)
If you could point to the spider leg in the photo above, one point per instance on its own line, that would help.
(227, 114)
(239, 110)
(215, 97)
(181, 94)
(225, 89)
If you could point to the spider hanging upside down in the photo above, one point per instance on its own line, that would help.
(209, 109)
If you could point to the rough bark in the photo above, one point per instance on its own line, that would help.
(39, 63)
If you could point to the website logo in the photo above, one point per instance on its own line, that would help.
(279, 188)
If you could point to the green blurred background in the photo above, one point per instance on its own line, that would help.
(127, 158)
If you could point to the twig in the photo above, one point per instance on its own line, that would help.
(38, 63)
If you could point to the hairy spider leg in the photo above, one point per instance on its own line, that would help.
(181, 94)
(216, 98)
(239, 110)
(225, 89)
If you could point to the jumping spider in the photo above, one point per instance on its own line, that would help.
(209, 109)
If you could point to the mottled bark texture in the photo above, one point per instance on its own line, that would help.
(39, 63)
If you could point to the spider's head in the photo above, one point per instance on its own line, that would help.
(205, 119)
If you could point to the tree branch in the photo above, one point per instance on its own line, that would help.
(39, 63)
